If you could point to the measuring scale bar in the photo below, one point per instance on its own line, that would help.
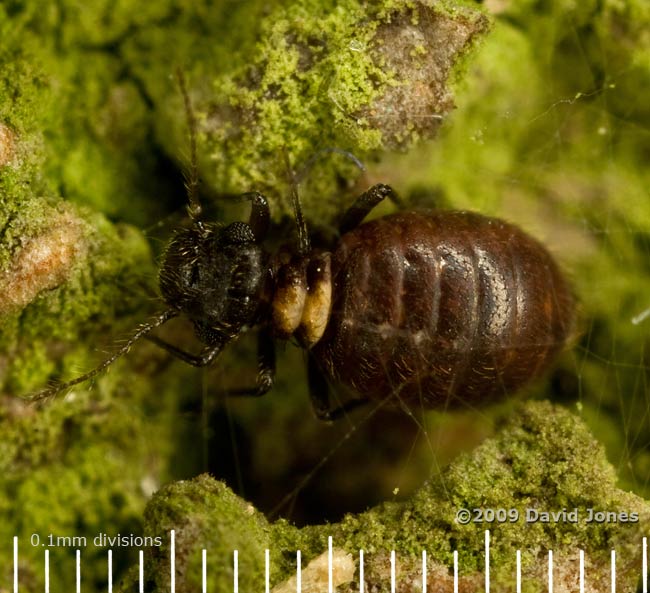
(330, 569)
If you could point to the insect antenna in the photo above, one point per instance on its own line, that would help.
(192, 173)
(304, 243)
(142, 331)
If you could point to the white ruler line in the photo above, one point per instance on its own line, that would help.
(361, 580)
(110, 571)
(16, 564)
(644, 564)
(518, 571)
(172, 560)
(361, 588)
(47, 571)
(487, 561)
(330, 582)
(141, 571)
(298, 573)
(424, 571)
(235, 576)
(582, 571)
(78, 570)
(204, 571)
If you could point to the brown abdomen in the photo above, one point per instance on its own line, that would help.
(442, 308)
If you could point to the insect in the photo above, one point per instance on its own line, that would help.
(424, 308)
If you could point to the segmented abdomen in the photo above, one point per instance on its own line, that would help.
(442, 308)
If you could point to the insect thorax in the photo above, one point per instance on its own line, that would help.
(302, 298)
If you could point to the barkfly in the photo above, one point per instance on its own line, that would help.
(422, 308)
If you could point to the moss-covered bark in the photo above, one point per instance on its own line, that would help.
(550, 133)
(540, 461)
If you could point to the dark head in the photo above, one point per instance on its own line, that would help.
(216, 276)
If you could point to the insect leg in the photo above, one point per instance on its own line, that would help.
(203, 359)
(260, 217)
(319, 395)
(266, 368)
(364, 204)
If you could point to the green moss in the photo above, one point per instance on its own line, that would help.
(318, 76)
(42, 108)
(543, 458)
(73, 469)
(205, 514)
(106, 255)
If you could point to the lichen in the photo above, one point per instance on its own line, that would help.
(7, 143)
(333, 75)
(43, 263)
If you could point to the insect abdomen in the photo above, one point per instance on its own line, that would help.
(442, 308)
